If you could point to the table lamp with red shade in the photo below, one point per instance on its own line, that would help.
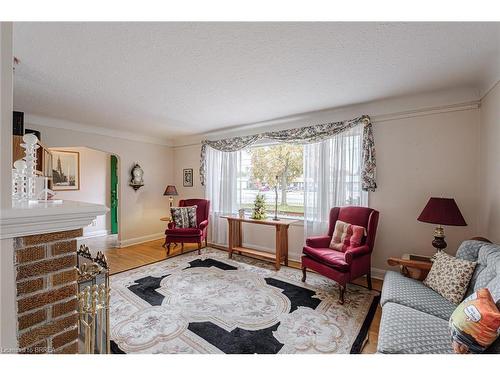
(441, 211)
(170, 191)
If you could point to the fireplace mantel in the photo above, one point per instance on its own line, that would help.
(29, 219)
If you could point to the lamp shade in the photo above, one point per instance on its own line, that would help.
(442, 211)
(170, 190)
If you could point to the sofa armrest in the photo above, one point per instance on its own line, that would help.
(203, 224)
(352, 254)
(319, 241)
(422, 267)
(171, 225)
(426, 266)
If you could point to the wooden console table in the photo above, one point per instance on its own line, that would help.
(236, 239)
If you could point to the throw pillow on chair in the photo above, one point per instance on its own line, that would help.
(184, 217)
(346, 236)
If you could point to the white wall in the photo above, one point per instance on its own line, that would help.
(187, 157)
(8, 319)
(489, 217)
(139, 211)
(426, 146)
(6, 87)
(95, 175)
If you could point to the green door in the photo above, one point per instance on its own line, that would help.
(114, 194)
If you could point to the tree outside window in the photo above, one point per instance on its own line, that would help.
(259, 167)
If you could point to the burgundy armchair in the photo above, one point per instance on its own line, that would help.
(336, 265)
(189, 235)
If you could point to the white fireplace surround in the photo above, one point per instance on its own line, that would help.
(28, 219)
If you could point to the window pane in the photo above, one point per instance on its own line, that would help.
(262, 169)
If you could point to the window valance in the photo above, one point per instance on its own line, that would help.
(303, 135)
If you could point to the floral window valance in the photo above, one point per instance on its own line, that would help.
(307, 134)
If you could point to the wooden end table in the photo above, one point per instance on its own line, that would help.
(412, 265)
(236, 239)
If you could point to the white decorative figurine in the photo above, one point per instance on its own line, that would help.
(19, 192)
(30, 145)
(45, 196)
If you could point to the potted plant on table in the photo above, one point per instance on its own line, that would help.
(259, 209)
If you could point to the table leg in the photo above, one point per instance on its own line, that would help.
(238, 235)
(230, 239)
(285, 244)
(277, 264)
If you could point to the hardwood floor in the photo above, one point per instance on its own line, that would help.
(150, 252)
(139, 255)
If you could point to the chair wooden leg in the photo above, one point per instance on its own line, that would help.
(164, 243)
(304, 269)
(199, 248)
(341, 294)
(206, 242)
(369, 280)
(168, 249)
(182, 247)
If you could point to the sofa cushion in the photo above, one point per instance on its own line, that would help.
(469, 250)
(487, 272)
(330, 257)
(412, 293)
(405, 330)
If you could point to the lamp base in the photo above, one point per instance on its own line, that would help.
(439, 243)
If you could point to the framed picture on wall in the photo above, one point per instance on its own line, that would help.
(187, 177)
(65, 170)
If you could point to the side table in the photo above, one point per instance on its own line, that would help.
(412, 265)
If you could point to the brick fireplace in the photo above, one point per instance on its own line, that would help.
(44, 281)
(46, 292)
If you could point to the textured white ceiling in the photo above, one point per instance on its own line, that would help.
(170, 79)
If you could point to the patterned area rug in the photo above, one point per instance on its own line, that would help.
(211, 304)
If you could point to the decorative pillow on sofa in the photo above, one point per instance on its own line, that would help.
(475, 323)
(450, 276)
(184, 217)
(346, 236)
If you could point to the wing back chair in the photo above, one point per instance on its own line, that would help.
(342, 267)
(189, 235)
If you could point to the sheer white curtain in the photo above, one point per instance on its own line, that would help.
(221, 182)
(332, 177)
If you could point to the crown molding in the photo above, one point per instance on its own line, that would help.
(91, 129)
(306, 117)
(475, 104)
(490, 90)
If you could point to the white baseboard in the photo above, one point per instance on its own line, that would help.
(95, 233)
(257, 247)
(378, 273)
(138, 240)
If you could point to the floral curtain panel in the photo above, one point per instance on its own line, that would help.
(304, 135)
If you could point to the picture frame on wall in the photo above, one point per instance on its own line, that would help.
(65, 170)
(187, 177)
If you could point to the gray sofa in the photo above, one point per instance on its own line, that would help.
(415, 318)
